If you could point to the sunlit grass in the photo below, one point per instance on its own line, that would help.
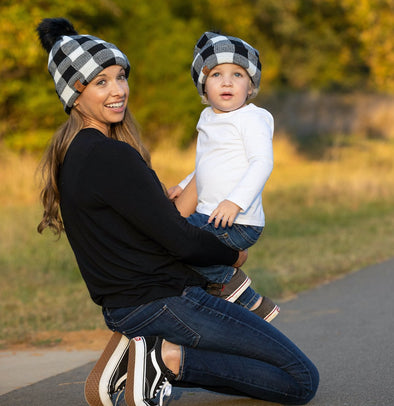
(18, 185)
(360, 172)
(41, 288)
(325, 217)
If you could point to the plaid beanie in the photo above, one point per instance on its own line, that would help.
(75, 60)
(213, 49)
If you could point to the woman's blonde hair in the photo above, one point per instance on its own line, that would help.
(126, 131)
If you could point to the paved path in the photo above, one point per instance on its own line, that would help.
(346, 327)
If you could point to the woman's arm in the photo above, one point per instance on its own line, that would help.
(135, 193)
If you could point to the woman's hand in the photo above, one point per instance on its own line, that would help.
(225, 213)
(243, 256)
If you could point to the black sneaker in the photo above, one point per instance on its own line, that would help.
(267, 309)
(109, 374)
(233, 290)
(147, 373)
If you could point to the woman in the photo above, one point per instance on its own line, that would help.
(134, 250)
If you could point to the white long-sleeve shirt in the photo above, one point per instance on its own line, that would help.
(234, 159)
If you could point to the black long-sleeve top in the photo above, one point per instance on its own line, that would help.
(130, 242)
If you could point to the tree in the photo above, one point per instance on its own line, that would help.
(304, 44)
(373, 22)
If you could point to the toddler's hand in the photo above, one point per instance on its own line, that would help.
(225, 213)
(174, 192)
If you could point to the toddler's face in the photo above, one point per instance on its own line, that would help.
(227, 87)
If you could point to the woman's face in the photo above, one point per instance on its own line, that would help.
(104, 100)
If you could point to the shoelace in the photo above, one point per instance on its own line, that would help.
(165, 390)
(120, 384)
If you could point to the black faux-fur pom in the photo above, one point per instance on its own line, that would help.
(51, 29)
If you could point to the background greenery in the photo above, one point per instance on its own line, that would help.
(324, 45)
(328, 80)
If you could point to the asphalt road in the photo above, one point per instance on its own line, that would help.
(346, 327)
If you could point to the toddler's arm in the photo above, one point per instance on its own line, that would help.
(186, 201)
(174, 191)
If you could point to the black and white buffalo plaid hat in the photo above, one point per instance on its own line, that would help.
(74, 60)
(213, 49)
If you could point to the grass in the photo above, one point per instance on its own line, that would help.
(41, 287)
(325, 217)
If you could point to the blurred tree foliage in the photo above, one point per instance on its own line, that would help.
(326, 45)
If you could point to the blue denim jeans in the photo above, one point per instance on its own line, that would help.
(238, 237)
(225, 348)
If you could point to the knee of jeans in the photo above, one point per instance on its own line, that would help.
(311, 389)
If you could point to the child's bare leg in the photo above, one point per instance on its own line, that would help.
(171, 355)
(186, 203)
(257, 304)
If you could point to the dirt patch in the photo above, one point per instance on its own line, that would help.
(63, 340)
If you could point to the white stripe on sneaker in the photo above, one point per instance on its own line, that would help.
(139, 373)
(152, 393)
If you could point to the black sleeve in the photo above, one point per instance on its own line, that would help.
(133, 190)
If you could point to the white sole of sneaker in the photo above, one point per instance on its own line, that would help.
(241, 289)
(135, 385)
(97, 383)
(275, 311)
